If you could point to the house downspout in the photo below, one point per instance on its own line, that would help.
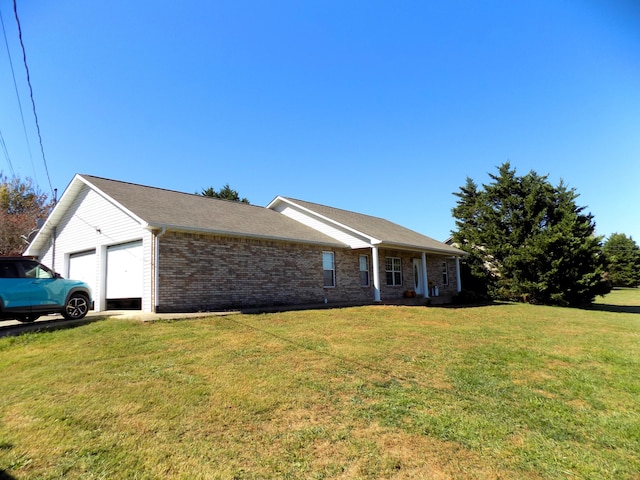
(425, 277)
(156, 272)
(53, 249)
(458, 279)
(376, 274)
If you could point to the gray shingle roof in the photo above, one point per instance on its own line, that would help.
(192, 212)
(387, 232)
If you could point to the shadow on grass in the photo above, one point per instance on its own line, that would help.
(5, 476)
(46, 325)
(604, 307)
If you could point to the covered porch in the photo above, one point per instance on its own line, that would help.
(407, 275)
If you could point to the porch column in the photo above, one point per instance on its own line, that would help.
(425, 278)
(458, 279)
(376, 274)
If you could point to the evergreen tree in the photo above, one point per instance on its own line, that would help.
(623, 260)
(528, 240)
(225, 193)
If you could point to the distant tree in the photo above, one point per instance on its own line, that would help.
(623, 260)
(529, 240)
(21, 206)
(225, 193)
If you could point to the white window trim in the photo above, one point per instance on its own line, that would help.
(366, 257)
(399, 261)
(333, 269)
(445, 273)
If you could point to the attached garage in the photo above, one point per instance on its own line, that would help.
(124, 276)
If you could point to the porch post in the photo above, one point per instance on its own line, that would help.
(425, 278)
(376, 273)
(458, 279)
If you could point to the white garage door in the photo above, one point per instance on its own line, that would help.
(82, 266)
(124, 271)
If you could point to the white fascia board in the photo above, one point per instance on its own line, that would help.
(369, 240)
(417, 248)
(68, 197)
(274, 202)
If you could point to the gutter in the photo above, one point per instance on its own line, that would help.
(440, 251)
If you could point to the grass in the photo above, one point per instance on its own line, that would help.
(503, 391)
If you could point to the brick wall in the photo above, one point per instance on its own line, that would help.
(206, 272)
(434, 272)
(348, 288)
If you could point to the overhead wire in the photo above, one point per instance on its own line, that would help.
(6, 155)
(4, 145)
(33, 103)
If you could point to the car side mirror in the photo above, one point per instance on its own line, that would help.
(58, 275)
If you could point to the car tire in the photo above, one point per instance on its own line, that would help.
(76, 307)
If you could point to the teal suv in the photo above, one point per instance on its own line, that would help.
(28, 290)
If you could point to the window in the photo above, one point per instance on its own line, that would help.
(445, 274)
(393, 267)
(364, 271)
(35, 270)
(8, 270)
(328, 270)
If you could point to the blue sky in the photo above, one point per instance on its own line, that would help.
(380, 107)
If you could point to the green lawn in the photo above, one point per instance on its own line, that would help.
(502, 391)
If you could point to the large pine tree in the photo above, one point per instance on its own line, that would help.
(528, 240)
(623, 260)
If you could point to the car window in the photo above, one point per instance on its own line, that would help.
(8, 270)
(35, 270)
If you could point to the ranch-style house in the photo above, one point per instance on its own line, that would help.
(159, 250)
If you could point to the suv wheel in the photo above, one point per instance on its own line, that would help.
(76, 308)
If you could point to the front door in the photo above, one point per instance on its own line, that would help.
(417, 277)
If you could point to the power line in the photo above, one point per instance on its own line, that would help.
(33, 103)
(6, 154)
(15, 86)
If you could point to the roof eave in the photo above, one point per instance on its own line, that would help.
(421, 248)
(69, 195)
(230, 233)
(372, 240)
